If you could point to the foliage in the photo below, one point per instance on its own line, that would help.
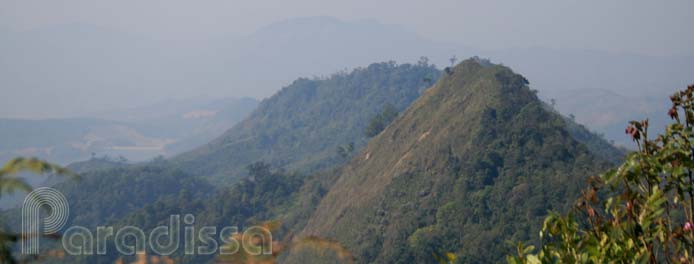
(476, 160)
(445, 258)
(10, 184)
(438, 199)
(142, 258)
(641, 212)
(381, 121)
(105, 196)
(301, 126)
(593, 141)
(344, 151)
(281, 247)
(264, 195)
(297, 129)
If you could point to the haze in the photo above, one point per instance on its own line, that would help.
(649, 27)
(79, 57)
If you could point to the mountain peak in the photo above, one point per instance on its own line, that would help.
(458, 153)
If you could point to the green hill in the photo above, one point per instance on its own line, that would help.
(298, 129)
(476, 161)
(301, 127)
(531, 160)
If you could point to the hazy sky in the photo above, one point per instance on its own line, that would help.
(647, 27)
(76, 57)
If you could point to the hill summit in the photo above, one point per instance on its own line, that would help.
(475, 161)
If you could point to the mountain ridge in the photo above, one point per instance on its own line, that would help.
(470, 136)
(301, 126)
(478, 125)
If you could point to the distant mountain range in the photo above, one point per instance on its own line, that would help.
(131, 69)
(132, 134)
(472, 159)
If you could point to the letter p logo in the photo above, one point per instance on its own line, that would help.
(31, 213)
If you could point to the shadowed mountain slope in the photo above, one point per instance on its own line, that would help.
(302, 125)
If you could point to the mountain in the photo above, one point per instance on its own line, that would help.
(619, 87)
(302, 126)
(76, 58)
(453, 154)
(292, 134)
(476, 161)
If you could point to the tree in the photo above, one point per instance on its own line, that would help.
(9, 184)
(423, 61)
(453, 60)
(257, 242)
(344, 151)
(258, 170)
(381, 121)
(642, 211)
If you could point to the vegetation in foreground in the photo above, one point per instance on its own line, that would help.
(640, 212)
(9, 184)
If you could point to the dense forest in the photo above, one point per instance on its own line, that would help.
(355, 132)
(300, 129)
(302, 125)
(393, 163)
(475, 161)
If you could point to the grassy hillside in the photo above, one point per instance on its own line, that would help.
(476, 161)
